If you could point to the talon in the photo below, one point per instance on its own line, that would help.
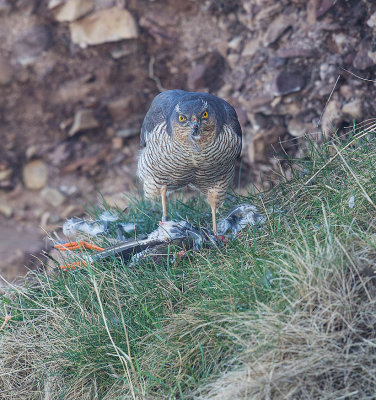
(66, 246)
(222, 238)
(6, 320)
(80, 245)
(73, 265)
(181, 254)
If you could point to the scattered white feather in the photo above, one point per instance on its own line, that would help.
(70, 226)
(127, 227)
(74, 225)
(239, 218)
(352, 202)
(108, 216)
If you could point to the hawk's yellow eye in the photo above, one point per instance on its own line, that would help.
(205, 114)
(182, 118)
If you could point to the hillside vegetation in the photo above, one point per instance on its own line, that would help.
(285, 311)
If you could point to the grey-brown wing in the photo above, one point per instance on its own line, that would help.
(160, 109)
(232, 119)
(233, 122)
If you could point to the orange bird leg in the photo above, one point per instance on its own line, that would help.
(80, 245)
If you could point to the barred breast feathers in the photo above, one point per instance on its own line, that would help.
(165, 162)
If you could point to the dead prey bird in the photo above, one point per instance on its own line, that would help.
(189, 139)
(181, 233)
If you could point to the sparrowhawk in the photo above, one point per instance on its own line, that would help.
(189, 138)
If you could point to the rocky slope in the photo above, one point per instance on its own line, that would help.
(77, 76)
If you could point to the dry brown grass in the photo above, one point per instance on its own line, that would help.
(324, 346)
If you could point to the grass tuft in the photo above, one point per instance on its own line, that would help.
(287, 311)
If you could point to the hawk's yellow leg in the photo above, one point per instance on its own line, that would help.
(164, 204)
(213, 201)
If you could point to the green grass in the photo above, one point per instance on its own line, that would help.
(272, 312)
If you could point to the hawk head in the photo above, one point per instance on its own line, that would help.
(195, 121)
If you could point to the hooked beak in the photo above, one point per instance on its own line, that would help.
(195, 132)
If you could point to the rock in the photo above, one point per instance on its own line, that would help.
(324, 7)
(298, 128)
(343, 43)
(52, 196)
(60, 154)
(259, 121)
(117, 200)
(83, 120)
(68, 190)
(235, 42)
(346, 91)
(278, 26)
(72, 10)
(44, 220)
(188, 7)
(276, 62)
(104, 26)
(71, 210)
(31, 151)
(196, 76)
(6, 184)
(242, 114)
(17, 245)
(222, 47)
(362, 60)
(5, 174)
(6, 72)
(232, 60)
(292, 52)
(225, 91)
(5, 7)
(123, 51)
(372, 56)
(353, 108)
(127, 133)
(288, 82)
(372, 21)
(31, 44)
(331, 118)
(311, 12)
(71, 91)
(35, 174)
(110, 132)
(90, 163)
(251, 47)
(120, 108)
(207, 73)
(117, 143)
(6, 210)
(267, 12)
(259, 103)
(162, 25)
(55, 3)
(264, 142)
